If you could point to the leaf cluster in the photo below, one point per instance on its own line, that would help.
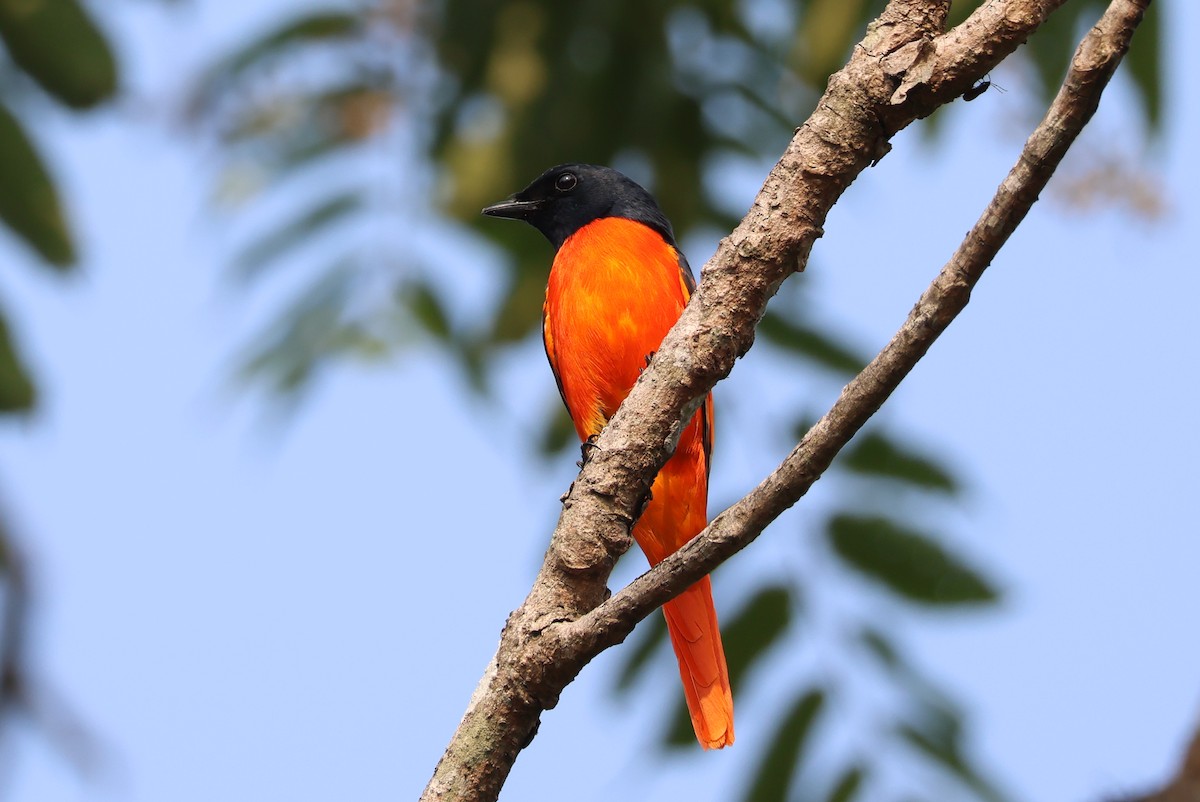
(55, 46)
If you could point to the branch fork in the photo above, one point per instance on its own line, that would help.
(904, 69)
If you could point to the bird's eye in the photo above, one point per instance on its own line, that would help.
(565, 182)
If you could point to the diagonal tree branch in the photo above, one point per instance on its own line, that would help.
(1185, 785)
(904, 68)
(1095, 61)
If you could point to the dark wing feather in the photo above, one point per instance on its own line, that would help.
(706, 409)
(548, 343)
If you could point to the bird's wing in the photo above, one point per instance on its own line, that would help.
(688, 280)
(548, 342)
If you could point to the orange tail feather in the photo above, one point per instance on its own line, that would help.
(692, 624)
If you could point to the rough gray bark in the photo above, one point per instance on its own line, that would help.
(904, 68)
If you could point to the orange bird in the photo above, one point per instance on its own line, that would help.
(618, 284)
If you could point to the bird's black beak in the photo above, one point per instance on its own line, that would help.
(513, 209)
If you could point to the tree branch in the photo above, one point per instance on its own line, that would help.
(904, 68)
(1095, 61)
(1185, 786)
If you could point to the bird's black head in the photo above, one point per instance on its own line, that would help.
(565, 198)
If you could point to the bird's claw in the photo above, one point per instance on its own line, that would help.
(584, 449)
(649, 356)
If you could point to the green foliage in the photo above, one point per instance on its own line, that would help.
(17, 392)
(817, 347)
(428, 309)
(277, 119)
(558, 432)
(1145, 61)
(783, 759)
(906, 562)
(277, 243)
(760, 624)
(849, 784)
(827, 31)
(29, 203)
(276, 45)
(313, 328)
(650, 635)
(60, 47)
(938, 735)
(1050, 51)
(56, 43)
(875, 454)
(882, 649)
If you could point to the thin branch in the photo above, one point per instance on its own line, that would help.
(1185, 785)
(903, 69)
(1095, 61)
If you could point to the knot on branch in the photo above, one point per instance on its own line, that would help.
(911, 67)
(585, 555)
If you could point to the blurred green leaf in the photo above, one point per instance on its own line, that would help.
(651, 635)
(1145, 64)
(881, 647)
(521, 309)
(849, 784)
(313, 328)
(310, 26)
(427, 309)
(345, 105)
(960, 10)
(302, 146)
(801, 425)
(876, 454)
(828, 28)
(307, 27)
(811, 344)
(906, 562)
(940, 717)
(938, 735)
(472, 358)
(937, 732)
(679, 734)
(29, 202)
(756, 627)
(1052, 46)
(17, 393)
(258, 255)
(57, 43)
(278, 140)
(558, 432)
(782, 761)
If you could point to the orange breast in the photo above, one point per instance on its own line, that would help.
(614, 291)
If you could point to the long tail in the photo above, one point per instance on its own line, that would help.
(692, 623)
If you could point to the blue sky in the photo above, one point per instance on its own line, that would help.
(241, 614)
